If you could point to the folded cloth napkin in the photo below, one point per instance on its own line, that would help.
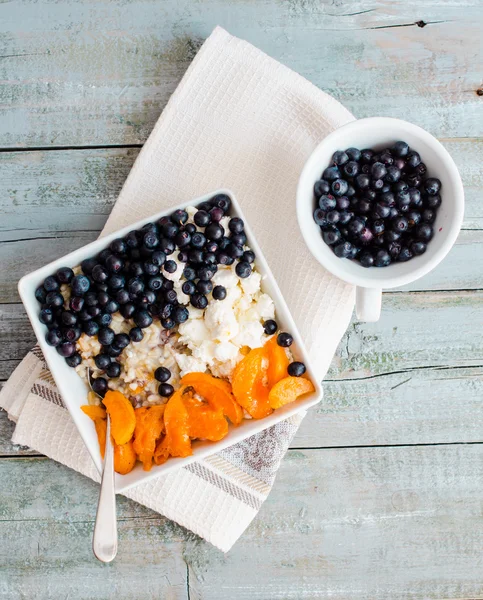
(239, 120)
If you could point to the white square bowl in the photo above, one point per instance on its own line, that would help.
(74, 391)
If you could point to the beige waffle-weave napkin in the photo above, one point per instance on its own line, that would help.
(240, 120)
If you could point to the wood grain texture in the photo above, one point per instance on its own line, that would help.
(88, 73)
(371, 524)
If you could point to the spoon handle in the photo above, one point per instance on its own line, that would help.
(104, 542)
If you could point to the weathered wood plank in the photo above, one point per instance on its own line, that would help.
(372, 523)
(85, 75)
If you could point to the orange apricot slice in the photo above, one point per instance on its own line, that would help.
(288, 390)
(217, 392)
(124, 458)
(277, 362)
(149, 427)
(101, 430)
(123, 419)
(177, 440)
(94, 412)
(247, 384)
(205, 422)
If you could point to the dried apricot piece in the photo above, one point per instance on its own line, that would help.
(247, 383)
(123, 419)
(217, 392)
(94, 412)
(124, 458)
(288, 390)
(176, 441)
(205, 422)
(149, 426)
(277, 362)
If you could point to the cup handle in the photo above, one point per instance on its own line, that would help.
(368, 304)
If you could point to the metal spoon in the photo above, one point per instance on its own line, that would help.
(104, 541)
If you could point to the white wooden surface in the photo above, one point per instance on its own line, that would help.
(380, 497)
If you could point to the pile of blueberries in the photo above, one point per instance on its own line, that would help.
(128, 277)
(377, 207)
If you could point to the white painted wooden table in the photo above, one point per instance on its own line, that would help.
(381, 494)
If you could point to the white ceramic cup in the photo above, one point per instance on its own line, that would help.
(380, 133)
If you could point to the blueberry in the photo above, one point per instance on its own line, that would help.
(183, 238)
(413, 180)
(114, 264)
(400, 163)
(54, 299)
(99, 386)
(136, 334)
(68, 319)
(386, 157)
(132, 240)
(339, 158)
(121, 340)
(403, 199)
(136, 269)
(199, 301)
(331, 237)
(393, 174)
(135, 286)
(223, 201)
(100, 274)
(394, 249)
(356, 226)
(224, 259)
(122, 296)
(84, 315)
(74, 360)
(350, 192)
(51, 284)
(64, 275)
(248, 256)
(216, 214)
(151, 240)
(382, 259)
(331, 174)
(46, 316)
(342, 203)
(382, 210)
(239, 239)
(116, 282)
(400, 149)
(66, 349)
(296, 369)
(327, 202)
(211, 247)
(155, 283)
(102, 361)
(415, 197)
(53, 337)
(183, 256)
(207, 273)
(378, 170)
(188, 288)
(343, 249)
(424, 232)
(413, 159)
(225, 241)
(180, 314)
(168, 323)
(103, 298)
(339, 187)
(41, 294)
(321, 187)
(219, 292)
(351, 169)
(432, 186)
(243, 269)
(103, 255)
(345, 217)
(170, 296)
(90, 328)
(142, 318)
(198, 240)
(170, 266)
(106, 336)
(413, 217)
(127, 310)
(158, 258)
(105, 319)
(378, 227)
(401, 186)
(147, 298)
(362, 181)
(236, 225)
(363, 206)
(179, 216)
(270, 327)
(113, 351)
(418, 248)
(168, 285)
(428, 215)
(284, 339)
(153, 226)
(332, 217)
(204, 287)
(113, 370)
(353, 154)
(366, 259)
(405, 254)
(151, 269)
(367, 156)
(166, 390)
(366, 236)
(90, 299)
(206, 206)
(400, 224)
(166, 311)
(377, 185)
(162, 374)
(433, 201)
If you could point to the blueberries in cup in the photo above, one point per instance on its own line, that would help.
(377, 206)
